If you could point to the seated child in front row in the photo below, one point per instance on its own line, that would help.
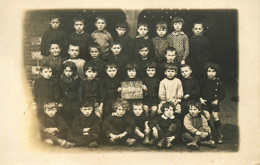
(86, 127)
(197, 129)
(212, 92)
(166, 127)
(119, 127)
(170, 88)
(53, 127)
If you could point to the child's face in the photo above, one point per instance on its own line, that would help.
(177, 26)
(161, 32)
(131, 73)
(170, 73)
(186, 72)
(86, 111)
(194, 111)
(73, 51)
(55, 50)
(142, 30)
(111, 72)
(91, 75)
(150, 71)
(94, 52)
(143, 52)
(79, 26)
(55, 23)
(68, 72)
(51, 111)
(120, 31)
(197, 29)
(170, 56)
(46, 73)
(168, 112)
(100, 24)
(137, 110)
(211, 73)
(120, 111)
(116, 49)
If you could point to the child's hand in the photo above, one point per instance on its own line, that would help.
(113, 136)
(170, 139)
(215, 102)
(182, 62)
(178, 108)
(122, 135)
(60, 105)
(86, 130)
(85, 133)
(204, 134)
(186, 96)
(155, 133)
(202, 101)
(51, 131)
(119, 89)
(144, 87)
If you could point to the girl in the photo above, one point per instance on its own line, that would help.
(68, 87)
(179, 40)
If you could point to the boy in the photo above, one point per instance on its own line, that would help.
(142, 38)
(53, 128)
(86, 127)
(119, 127)
(160, 41)
(91, 89)
(197, 129)
(53, 33)
(170, 88)
(73, 51)
(45, 88)
(118, 58)
(200, 49)
(82, 38)
(112, 83)
(55, 60)
(124, 39)
(102, 36)
(191, 88)
(94, 50)
(166, 127)
(152, 83)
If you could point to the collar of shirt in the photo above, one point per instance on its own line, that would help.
(165, 117)
(80, 33)
(177, 33)
(161, 38)
(103, 31)
(144, 37)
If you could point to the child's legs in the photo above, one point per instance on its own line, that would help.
(187, 137)
(53, 138)
(85, 140)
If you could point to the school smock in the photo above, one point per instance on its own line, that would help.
(127, 45)
(160, 45)
(191, 86)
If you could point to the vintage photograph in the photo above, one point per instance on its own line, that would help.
(153, 80)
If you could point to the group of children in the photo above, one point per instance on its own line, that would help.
(78, 98)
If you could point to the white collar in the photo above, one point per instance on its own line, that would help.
(165, 117)
(80, 33)
(176, 33)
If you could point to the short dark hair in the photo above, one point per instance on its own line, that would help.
(178, 19)
(80, 19)
(161, 24)
(195, 103)
(171, 49)
(57, 42)
(71, 65)
(102, 18)
(151, 64)
(185, 65)
(94, 45)
(87, 103)
(131, 66)
(171, 67)
(90, 66)
(111, 65)
(142, 24)
(143, 45)
(50, 104)
(115, 43)
(54, 16)
(212, 65)
(167, 105)
(121, 24)
(44, 66)
(73, 44)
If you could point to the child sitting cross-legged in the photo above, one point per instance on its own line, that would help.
(52, 127)
(197, 129)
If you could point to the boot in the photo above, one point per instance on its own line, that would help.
(146, 140)
(194, 144)
(130, 142)
(209, 143)
(160, 143)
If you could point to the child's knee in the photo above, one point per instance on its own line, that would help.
(206, 114)
(215, 116)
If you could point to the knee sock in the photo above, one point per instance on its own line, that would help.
(217, 126)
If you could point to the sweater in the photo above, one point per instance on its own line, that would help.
(104, 39)
(191, 87)
(152, 84)
(194, 124)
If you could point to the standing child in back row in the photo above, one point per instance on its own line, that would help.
(179, 40)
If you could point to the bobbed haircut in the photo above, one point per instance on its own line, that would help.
(150, 64)
(178, 19)
(161, 24)
(212, 65)
(167, 105)
(87, 103)
(71, 65)
(130, 66)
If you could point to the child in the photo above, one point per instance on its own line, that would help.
(160, 41)
(86, 127)
(143, 58)
(53, 128)
(82, 38)
(69, 91)
(212, 92)
(170, 88)
(118, 58)
(102, 36)
(141, 123)
(166, 127)
(73, 51)
(91, 89)
(119, 127)
(124, 39)
(94, 50)
(197, 129)
(55, 60)
(152, 83)
(179, 40)
(53, 33)
(142, 38)
(45, 88)
(200, 49)
(112, 83)
(191, 88)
